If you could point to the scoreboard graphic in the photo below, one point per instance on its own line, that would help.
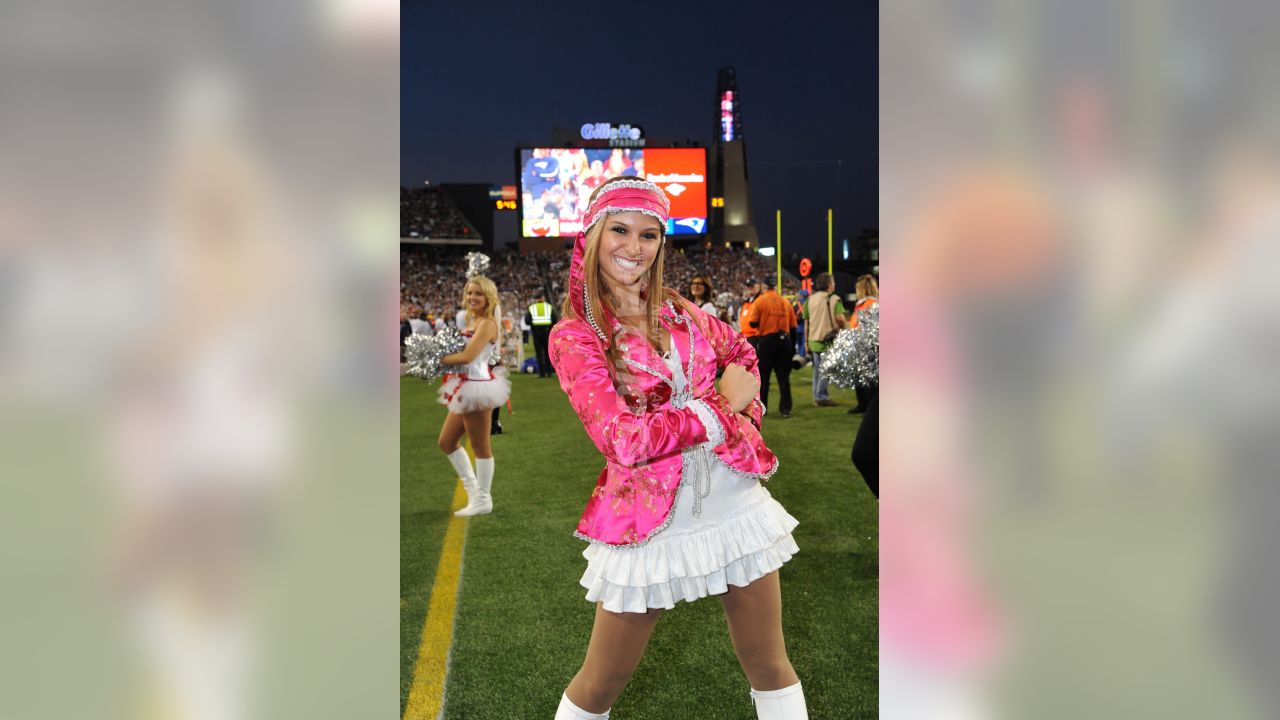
(556, 185)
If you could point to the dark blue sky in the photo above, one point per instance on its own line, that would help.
(479, 77)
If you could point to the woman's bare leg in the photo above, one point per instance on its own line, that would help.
(478, 425)
(450, 433)
(754, 614)
(617, 643)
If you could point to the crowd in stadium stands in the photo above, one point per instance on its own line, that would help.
(427, 213)
(728, 269)
(432, 276)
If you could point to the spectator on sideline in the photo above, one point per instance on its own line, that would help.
(866, 448)
(801, 302)
(748, 326)
(775, 322)
(824, 317)
(405, 331)
(420, 325)
(868, 296)
(541, 316)
(701, 293)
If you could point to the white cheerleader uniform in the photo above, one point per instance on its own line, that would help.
(726, 529)
(478, 386)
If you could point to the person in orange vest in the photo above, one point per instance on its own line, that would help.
(747, 326)
(774, 322)
(868, 296)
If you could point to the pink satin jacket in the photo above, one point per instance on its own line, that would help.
(641, 429)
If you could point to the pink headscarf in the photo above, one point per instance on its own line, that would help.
(619, 196)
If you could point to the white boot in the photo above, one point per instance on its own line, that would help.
(479, 502)
(462, 465)
(569, 711)
(784, 704)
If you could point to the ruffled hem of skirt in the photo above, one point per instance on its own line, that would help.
(691, 565)
(475, 394)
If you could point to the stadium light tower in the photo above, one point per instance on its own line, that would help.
(731, 205)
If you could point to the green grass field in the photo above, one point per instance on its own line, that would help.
(522, 624)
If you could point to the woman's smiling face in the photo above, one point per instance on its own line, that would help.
(628, 246)
(476, 301)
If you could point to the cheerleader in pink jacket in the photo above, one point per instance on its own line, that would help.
(680, 511)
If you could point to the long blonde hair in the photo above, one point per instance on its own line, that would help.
(491, 301)
(866, 287)
(598, 294)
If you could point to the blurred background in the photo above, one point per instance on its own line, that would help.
(1078, 213)
(1078, 203)
(197, 420)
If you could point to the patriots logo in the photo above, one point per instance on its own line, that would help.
(547, 168)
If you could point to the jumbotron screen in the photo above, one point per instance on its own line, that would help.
(556, 183)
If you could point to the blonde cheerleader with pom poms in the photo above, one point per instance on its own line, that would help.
(472, 392)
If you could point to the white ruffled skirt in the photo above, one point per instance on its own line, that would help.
(464, 395)
(742, 535)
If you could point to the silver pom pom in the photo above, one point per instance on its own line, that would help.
(724, 300)
(422, 353)
(477, 264)
(853, 358)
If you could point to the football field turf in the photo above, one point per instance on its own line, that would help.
(520, 624)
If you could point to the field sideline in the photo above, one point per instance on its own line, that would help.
(521, 623)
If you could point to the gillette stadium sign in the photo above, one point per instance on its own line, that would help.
(616, 135)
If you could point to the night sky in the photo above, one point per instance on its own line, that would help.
(479, 78)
